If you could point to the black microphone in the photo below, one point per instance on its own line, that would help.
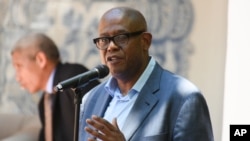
(98, 72)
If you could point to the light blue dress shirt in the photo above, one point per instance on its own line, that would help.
(120, 105)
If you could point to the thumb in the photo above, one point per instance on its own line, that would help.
(114, 123)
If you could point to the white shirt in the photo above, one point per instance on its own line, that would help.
(49, 86)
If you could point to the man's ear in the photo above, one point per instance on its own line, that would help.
(147, 38)
(41, 59)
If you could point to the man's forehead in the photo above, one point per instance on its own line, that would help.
(26, 46)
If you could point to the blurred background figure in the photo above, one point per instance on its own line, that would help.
(38, 67)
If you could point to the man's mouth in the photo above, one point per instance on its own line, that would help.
(113, 59)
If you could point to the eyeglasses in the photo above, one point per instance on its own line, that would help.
(120, 40)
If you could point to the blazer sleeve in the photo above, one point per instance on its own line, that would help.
(193, 122)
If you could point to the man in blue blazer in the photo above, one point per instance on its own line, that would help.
(140, 101)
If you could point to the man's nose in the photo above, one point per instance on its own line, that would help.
(112, 46)
(18, 77)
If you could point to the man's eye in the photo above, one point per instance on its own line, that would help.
(121, 38)
(104, 40)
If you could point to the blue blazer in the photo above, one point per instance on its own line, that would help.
(168, 108)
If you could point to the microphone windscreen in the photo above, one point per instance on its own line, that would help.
(103, 70)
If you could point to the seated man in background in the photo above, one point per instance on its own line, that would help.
(38, 67)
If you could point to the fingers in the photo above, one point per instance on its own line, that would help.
(102, 129)
(99, 124)
(95, 134)
(104, 123)
(114, 123)
(91, 139)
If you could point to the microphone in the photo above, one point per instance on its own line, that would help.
(98, 72)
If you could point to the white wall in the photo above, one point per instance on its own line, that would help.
(208, 63)
(237, 76)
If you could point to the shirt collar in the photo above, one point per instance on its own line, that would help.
(111, 84)
(49, 86)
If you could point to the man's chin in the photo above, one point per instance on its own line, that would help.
(28, 90)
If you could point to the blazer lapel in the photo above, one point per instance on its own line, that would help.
(138, 113)
(104, 102)
(145, 102)
(98, 96)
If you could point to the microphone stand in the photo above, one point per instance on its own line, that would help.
(77, 101)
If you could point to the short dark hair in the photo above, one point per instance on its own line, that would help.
(44, 44)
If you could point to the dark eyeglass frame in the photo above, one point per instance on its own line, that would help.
(113, 38)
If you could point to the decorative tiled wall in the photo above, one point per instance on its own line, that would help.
(73, 23)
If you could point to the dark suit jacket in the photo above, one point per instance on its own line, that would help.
(168, 108)
(63, 103)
